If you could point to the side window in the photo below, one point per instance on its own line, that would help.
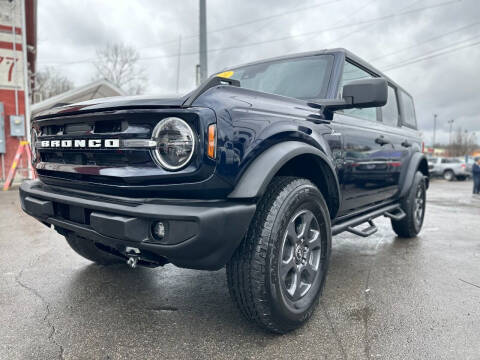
(352, 72)
(390, 110)
(451, 161)
(408, 110)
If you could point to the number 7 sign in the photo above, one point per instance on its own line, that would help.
(10, 66)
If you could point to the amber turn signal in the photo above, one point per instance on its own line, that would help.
(212, 141)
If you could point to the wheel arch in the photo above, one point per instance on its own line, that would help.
(290, 158)
(418, 162)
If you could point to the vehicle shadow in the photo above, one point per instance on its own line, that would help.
(183, 310)
(185, 300)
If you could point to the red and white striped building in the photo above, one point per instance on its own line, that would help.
(14, 16)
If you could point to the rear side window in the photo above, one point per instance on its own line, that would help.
(350, 73)
(390, 110)
(408, 110)
(451, 161)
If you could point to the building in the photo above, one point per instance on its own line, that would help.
(94, 90)
(18, 30)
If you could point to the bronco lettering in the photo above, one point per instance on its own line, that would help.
(78, 143)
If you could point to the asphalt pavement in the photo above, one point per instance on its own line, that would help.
(385, 298)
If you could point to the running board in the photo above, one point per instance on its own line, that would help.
(372, 229)
(392, 211)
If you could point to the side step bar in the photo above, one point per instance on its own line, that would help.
(366, 232)
(392, 211)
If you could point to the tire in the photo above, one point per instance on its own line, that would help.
(273, 257)
(87, 249)
(414, 207)
(448, 175)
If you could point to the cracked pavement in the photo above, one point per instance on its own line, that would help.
(385, 298)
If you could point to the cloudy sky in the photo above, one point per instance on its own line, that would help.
(430, 47)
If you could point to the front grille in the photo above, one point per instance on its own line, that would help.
(111, 157)
(98, 158)
(95, 127)
(129, 163)
(90, 128)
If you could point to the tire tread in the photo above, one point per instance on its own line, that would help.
(247, 270)
(405, 227)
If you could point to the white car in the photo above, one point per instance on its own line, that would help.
(449, 168)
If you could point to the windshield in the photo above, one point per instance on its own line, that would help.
(302, 78)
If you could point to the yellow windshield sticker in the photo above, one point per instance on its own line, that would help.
(226, 74)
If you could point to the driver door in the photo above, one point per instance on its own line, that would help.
(367, 151)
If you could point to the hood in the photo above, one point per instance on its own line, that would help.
(113, 103)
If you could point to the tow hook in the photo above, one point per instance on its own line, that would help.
(132, 256)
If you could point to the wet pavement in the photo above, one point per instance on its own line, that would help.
(386, 298)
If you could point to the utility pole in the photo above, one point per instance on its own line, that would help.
(450, 122)
(203, 41)
(434, 129)
(178, 63)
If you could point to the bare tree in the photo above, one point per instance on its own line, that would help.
(50, 82)
(118, 63)
(463, 143)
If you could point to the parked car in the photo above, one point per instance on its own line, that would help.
(469, 161)
(448, 168)
(256, 170)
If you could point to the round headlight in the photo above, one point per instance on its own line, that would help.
(175, 143)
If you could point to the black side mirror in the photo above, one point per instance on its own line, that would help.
(366, 93)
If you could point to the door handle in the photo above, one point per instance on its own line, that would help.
(382, 141)
(406, 144)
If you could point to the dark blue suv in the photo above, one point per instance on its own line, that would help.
(256, 170)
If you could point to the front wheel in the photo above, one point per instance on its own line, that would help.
(449, 175)
(414, 207)
(277, 274)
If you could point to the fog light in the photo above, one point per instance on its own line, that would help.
(158, 230)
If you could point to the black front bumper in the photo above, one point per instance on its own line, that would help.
(199, 234)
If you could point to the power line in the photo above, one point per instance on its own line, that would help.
(385, 17)
(276, 15)
(348, 16)
(343, 37)
(244, 23)
(432, 55)
(438, 50)
(313, 32)
(426, 41)
(295, 10)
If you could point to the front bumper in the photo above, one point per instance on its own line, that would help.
(199, 234)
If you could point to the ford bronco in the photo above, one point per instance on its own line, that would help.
(254, 170)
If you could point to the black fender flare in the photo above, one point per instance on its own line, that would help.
(254, 181)
(414, 164)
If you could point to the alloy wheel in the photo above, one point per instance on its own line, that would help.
(419, 205)
(301, 254)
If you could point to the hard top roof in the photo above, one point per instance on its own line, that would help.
(348, 54)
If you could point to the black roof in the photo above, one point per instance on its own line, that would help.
(348, 54)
